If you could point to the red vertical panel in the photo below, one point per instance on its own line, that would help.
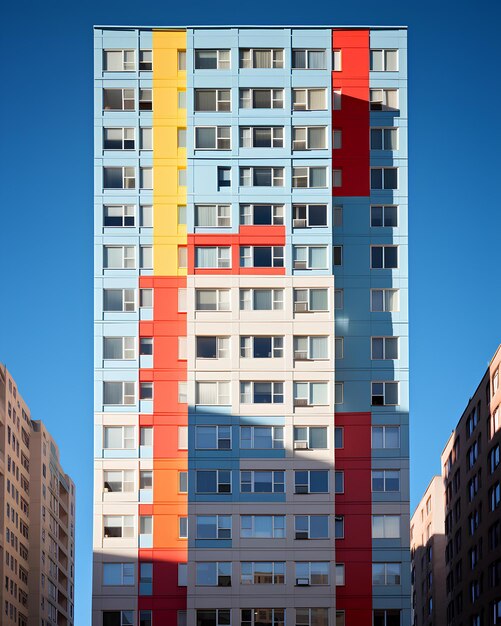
(355, 550)
(353, 158)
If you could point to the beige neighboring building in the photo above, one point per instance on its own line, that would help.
(427, 556)
(37, 519)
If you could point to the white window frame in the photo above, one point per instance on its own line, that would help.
(219, 438)
(383, 257)
(127, 65)
(247, 214)
(298, 222)
(222, 215)
(128, 434)
(276, 529)
(385, 340)
(127, 480)
(301, 400)
(277, 442)
(247, 136)
(221, 142)
(385, 58)
(145, 60)
(128, 393)
(305, 143)
(247, 392)
(128, 257)
(128, 349)
(384, 427)
(126, 574)
(307, 52)
(306, 355)
(307, 576)
(247, 346)
(128, 176)
(250, 578)
(247, 176)
(223, 486)
(381, 129)
(246, 98)
(247, 301)
(396, 297)
(128, 96)
(308, 302)
(127, 525)
(275, 482)
(306, 263)
(127, 137)
(219, 520)
(247, 256)
(247, 61)
(221, 63)
(222, 303)
(223, 392)
(383, 208)
(222, 346)
(222, 104)
(125, 212)
(383, 395)
(378, 99)
(301, 98)
(222, 261)
(300, 173)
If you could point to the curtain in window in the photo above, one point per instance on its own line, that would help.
(317, 99)
(207, 393)
(318, 347)
(318, 392)
(206, 257)
(262, 58)
(205, 215)
(299, 59)
(316, 59)
(112, 393)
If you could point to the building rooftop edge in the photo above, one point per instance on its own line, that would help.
(211, 26)
(424, 493)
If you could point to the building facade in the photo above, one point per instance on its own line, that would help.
(427, 556)
(251, 354)
(37, 519)
(471, 475)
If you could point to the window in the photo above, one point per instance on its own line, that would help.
(309, 138)
(119, 215)
(182, 437)
(384, 393)
(213, 138)
(119, 60)
(261, 98)
(213, 574)
(261, 392)
(493, 458)
(145, 100)
(309, 215)
(119, 300)
(182, 392)
(261, 137)
(311, 348)
(261, 347)
(261, 176)
(312, 573)
(119, 138)
(213, 393)
(212, 100)
(212, 347)
(119, 438)
(495, 382)
(213, 437)
(118, 526)
(262, 214)
(311, 481)
(386, 617)
(262, 481)
(118, 393)
(312, 617)
(384, 348)
(181, 214)
(384, 257)
(494, 496)
(385, 437)
(118, 481)
(118, 574)
(119, 177)
(181, 60)
(146, 213)
(385, 480)
(309, 177)
(336, 60)
(262, 573)
(182, 257)
(212, 299)
(340, 574)
(146, 138)
(339, 299)
(384, 138)
(339, 481)
(261, 299)
(308, 59)
(309, 99)
(146, 257)
(145, 60)
(386, 573)
(110, 618)
(181, 99)
(181, 137)
(310, 438)
(261, 256)
(336, 99)
(309, 300)
(339, 437)
(145, 391)
(384, 216)
(213, 215)
(384, 178)
(337, 139)
(121, 348)
(385, 300)
(213, 481)
(384, 61)
(145, 579)
(262, 526)
(183, 528)
(337, 252)
(213, 257)
(261, 437)
(383, 99)
(146, 298)
(311, 394)
(262, 617)
(119, 99)
(212, 59)
(213, 617)
(223, 177)
(119, 257)
(261, 58)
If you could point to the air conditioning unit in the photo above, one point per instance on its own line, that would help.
(301, 355)
(301, 307)
(301, 445)
(301, 489)
(300, 402)
(302, 582)
(302, 534)
(298, 223)
(300, 265)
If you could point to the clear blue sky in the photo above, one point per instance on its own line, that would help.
(46, 223)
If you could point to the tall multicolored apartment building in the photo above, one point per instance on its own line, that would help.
(251, 354)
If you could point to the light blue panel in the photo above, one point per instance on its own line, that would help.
(145, 495)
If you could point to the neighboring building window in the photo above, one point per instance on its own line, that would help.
(181, 137)
(339, 481)
(309, 99)
(145, 391)
(118, 393)
(384, 257)
(213, 526)
(261, 299)
(336, 60)
(386, 574)
(262, 573)
(336, 99)
(262, 526)
(338, 393)
(339, 347)
(339, 437)
(182, 437)
(181, 99)
(261, 58)
(145, 618)
(212, 299)
(212, 59)
(308, 59)
(182, 392)
(339, 299)
(181, 60)
(181, 177)
(384, 216)
(213, 138)
(262, 176)
(257, 392)
(119, 99)
(384, 177)
(337, 139)
(145, 99)
(212, 100)
(261, 437)
(309, 177)
(384, 394)
(384, 300)
(213, 574)
(262, 214)
(183, 528)
(213, 257)
(385, 60)
(339, 526)
(146, 215)
(119, 60)
(340, 574)
(383, 99)
(311, 526)
(145, 579)
(181, 300)
(261, 98)
(384, 138)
